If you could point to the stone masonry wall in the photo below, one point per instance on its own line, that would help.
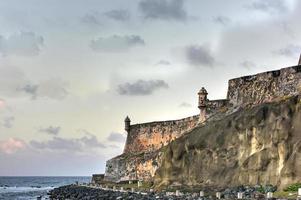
(152, 136)
(132, 167)
(139, 159)
(265, 87)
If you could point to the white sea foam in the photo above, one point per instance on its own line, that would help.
(23, 189)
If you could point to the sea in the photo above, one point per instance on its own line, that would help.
(31, 187)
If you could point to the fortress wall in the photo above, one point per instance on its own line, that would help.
(214, 106)
(149, 137)
(140, 157)
(132, 167)
(265, 87)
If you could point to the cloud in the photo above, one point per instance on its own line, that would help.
(116, 137)
(290, 50)
(199, 55)
(11, 145)
(11, 78)
(163, 62)
(88, 141)
(118, 15)
(31, 90)
(53, 88)
(141, 87)
(163, 9)
(270, 6)
(248, 64)
(185, 105)
(8, 122)
(21, 44)
(92, 18)
(222, 20)
(52, 130)
(14, 83)
(116, 43)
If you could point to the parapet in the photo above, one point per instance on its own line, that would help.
(265, 87)
(152, 136)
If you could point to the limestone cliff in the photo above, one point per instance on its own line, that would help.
(255, 145)
(250, 137)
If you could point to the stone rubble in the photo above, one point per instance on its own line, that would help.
(85, 192)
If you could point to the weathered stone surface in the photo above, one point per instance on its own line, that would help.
(132, 167)
(265, 87)
(259, 145)
(152, 136)
(141, 157)
(97, 178)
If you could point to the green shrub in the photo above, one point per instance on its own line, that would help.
(293, 188)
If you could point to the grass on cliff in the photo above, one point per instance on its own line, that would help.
(285, 195)
(290, 192)
(293, 188)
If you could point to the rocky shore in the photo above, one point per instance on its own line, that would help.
(84, 192)
(89, 193)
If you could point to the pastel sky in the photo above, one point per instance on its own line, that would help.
(71, 70)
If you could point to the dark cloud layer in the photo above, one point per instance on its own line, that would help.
(88, 141)
(141, 87)
(52, 130)
(119, 15)
(21, 44)
(163, 9)
(116, 43)
(116, 137)
(199, 55)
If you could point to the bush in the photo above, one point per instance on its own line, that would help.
(266, 188)
(293, 188)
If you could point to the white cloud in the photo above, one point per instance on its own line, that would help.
(116, 137)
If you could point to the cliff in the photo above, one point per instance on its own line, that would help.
(257, 145)
(247, 138)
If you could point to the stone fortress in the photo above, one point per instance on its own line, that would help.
(141, 155)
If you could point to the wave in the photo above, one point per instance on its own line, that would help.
(24, 189)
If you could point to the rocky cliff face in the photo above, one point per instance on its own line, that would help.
(258, 145)
(141, 166)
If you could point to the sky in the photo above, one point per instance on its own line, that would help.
(72, 70)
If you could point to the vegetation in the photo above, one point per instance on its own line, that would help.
(292, 188)
(285, 195)
(266, 188)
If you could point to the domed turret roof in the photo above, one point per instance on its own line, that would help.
(127, 119)
(203, 91)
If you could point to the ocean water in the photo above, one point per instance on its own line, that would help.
(24, 188)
